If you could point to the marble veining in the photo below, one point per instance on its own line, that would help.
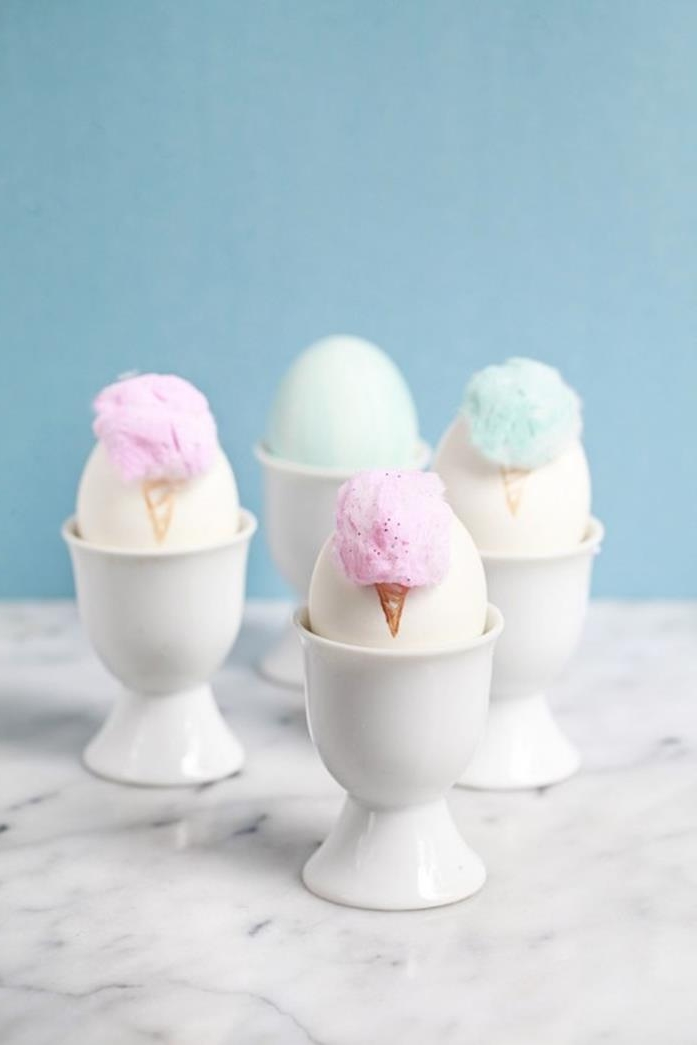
(134, 915)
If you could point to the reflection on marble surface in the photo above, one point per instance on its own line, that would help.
(135, 915)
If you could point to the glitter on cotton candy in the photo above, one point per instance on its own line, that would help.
(156, 427)
(393, 528)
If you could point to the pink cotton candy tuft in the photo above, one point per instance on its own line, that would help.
(155, 426)
(393, 528)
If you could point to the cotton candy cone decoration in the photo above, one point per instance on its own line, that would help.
(400, 571)
(392, 598)
(159, 501)
(514, 483)
(513, 463)
(157, 480)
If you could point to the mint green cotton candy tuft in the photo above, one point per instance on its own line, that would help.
(521, 414)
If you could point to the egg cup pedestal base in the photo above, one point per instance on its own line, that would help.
(283, 663)
(162, 623)
(396, 729)
(165, 740)
(380, 859)
(522, 747)
(543, 599)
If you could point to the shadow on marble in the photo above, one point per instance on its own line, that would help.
(294, 717)
(61, 731)
(266, 843)
(271, 705)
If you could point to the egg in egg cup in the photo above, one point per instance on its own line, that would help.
(342, 406)
(398, 642)
(159, 550)
(516, 475)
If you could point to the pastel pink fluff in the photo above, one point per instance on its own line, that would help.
(393, 528)
(155, 426)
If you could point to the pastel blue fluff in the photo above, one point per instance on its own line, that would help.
(521, 414)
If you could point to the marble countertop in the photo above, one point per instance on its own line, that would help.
(132, 915)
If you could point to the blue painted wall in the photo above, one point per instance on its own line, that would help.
(205, 186)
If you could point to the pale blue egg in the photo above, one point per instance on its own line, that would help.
(344, 404)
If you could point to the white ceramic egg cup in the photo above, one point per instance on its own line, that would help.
(299, 506)
(396, 730)
(543, 599)
(162, 623)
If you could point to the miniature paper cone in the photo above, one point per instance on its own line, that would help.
(159, 500)
(392, 598)
(513, 483)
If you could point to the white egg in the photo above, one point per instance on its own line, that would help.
(537, 512)
(444, 614)
(157, 516)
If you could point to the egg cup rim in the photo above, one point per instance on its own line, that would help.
(493, 628)
(422, 456)
(247, 529)
(595, 534)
